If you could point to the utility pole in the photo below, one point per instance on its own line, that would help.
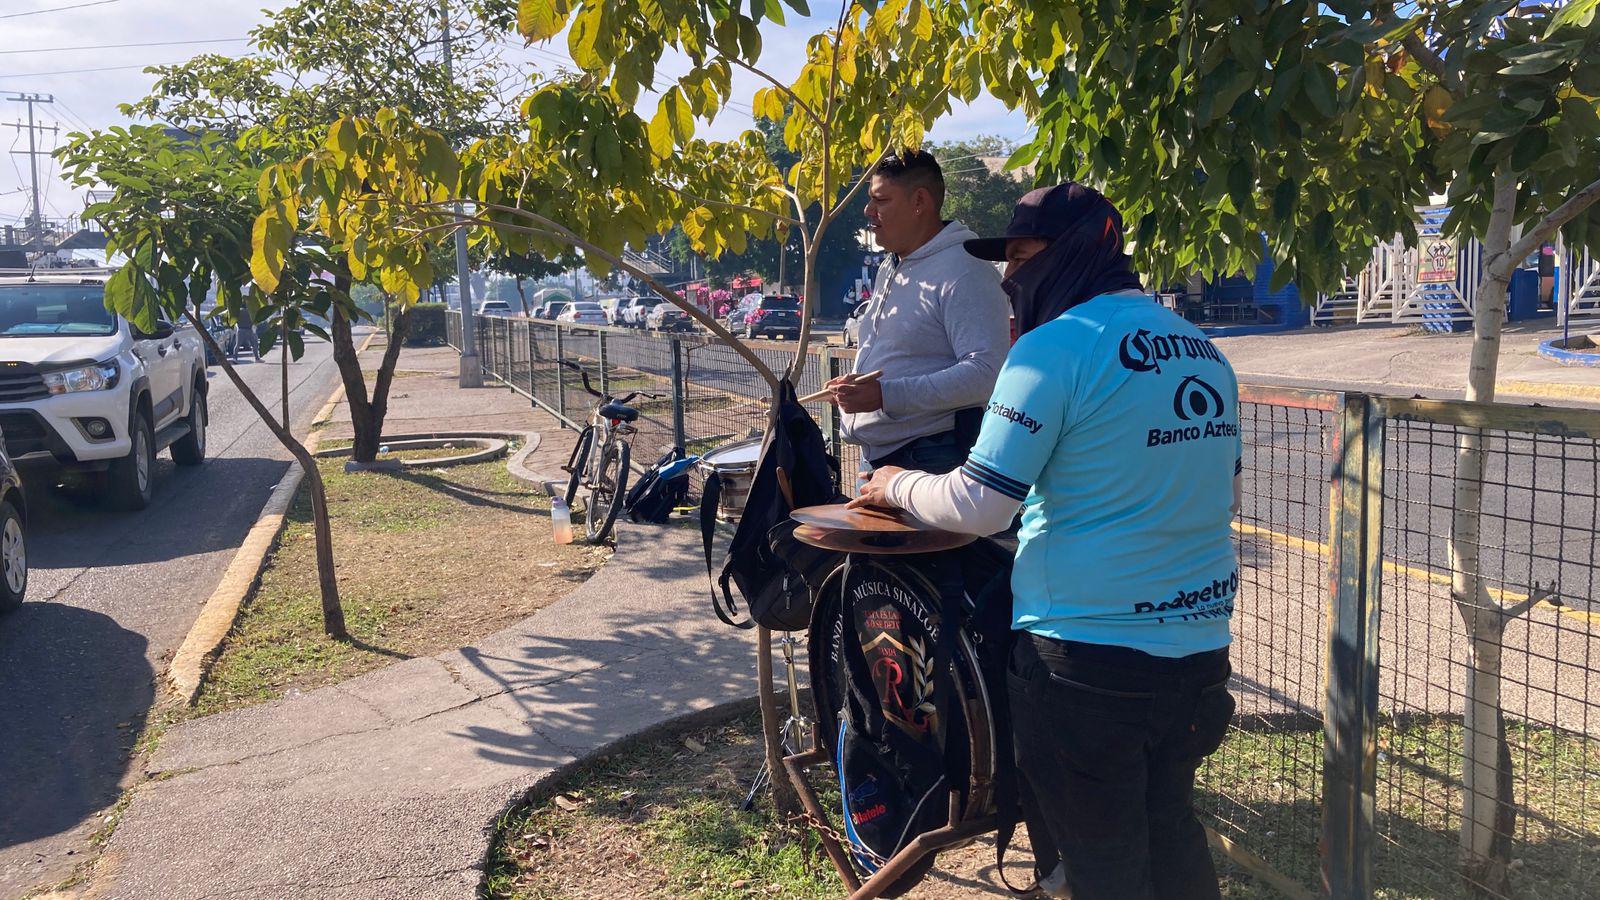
(33, 154)
(471, 374)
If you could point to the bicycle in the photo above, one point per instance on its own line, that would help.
(603, 470)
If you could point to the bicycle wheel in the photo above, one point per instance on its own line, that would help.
(578, 463)
(608, 487)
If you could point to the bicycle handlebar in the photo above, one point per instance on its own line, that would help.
(590, 388)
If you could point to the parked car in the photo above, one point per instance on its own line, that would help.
(82, 389)
(13, 535)
(667, 317)
(632, 312)
(551, 309)
(583, 312)
(495, 308)
(226, 336)
(852, 326)
(774, 316)
(735, 321)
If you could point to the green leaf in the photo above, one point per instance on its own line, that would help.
(1321, 90)
(540, 20)
(1576, 12)
(297, 345)
(1284, 198)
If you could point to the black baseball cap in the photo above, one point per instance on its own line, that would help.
(1046, 213)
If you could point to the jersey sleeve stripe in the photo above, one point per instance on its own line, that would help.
(992, 479)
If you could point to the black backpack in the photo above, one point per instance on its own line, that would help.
(768, 567)
(655, 497)
(907, 665)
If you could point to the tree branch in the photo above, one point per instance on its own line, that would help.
(787, 91)
(1549, 225)
(556, 231)
(1433, 62)
(780, 217)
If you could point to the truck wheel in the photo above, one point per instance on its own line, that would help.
(13, 558)
(132, 476)
(190, 450)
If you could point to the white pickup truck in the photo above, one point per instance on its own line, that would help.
(81, 389)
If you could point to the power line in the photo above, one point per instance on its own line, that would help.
(81, 71)
(36, 12)
(121, 46)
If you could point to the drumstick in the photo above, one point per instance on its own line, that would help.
(785, 487)
(867, 378)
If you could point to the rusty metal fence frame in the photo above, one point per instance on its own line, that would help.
(1327, 535)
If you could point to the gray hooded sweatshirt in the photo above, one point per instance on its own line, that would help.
(938, 325)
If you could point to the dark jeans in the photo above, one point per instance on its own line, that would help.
(936, 453)
(1108, 740)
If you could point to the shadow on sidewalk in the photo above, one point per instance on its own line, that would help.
(77, 691)
(636, 646)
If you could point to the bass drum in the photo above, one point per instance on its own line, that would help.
(893, 611)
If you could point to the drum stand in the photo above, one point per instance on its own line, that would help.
(798, 735)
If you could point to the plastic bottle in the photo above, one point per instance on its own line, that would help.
(560, 520)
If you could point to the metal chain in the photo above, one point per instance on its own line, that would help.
(843, 840)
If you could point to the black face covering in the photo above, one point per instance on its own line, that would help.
(1082, 263)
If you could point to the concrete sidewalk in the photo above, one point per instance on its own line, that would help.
(1403, 360)
(388, 785)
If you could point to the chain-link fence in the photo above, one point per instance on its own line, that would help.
(1345, 772)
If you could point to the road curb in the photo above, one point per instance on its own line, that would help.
(187, 671)
(1553, 389)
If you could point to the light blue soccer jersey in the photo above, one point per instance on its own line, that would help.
(1117, 424)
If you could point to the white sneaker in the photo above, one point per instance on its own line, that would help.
(1054, 885)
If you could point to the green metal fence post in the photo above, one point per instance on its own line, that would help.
(561, 372)
(532, 348)
(605, 375)
(680, 431)
(1350, 714)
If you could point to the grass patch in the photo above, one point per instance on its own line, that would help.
(659, 820)
(427, 560)
(662, 821)
(1269, 782)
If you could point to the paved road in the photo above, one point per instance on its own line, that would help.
(111, 596)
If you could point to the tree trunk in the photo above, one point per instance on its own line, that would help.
(785, 801)
(1487, 811)
(367, 430)
(526, 313)
(283, 377)
(327, 581)
(391, 357)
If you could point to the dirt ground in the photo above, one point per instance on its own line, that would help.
(427, 560)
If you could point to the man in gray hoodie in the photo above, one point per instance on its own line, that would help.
(936, 325)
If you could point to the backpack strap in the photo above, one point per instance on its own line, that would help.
(723, 606)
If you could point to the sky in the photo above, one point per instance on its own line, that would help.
(39, 41)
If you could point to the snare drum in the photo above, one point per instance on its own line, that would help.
(736, 464)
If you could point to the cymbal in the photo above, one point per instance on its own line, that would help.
(881, 542)
(832, 527)
(835, 515)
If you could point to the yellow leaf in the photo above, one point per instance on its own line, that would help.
(269, 243)
(540, 20)
(660, 134)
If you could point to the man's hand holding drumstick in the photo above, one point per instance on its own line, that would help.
(853, 393)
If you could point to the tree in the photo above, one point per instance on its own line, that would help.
(1322, 127)
(317, 60)
(589, 174)
(976, 194)
(181, 211)
(522, 266)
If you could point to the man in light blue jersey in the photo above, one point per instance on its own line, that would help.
(1114, 425)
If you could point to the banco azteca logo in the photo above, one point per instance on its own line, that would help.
(1195, 399)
